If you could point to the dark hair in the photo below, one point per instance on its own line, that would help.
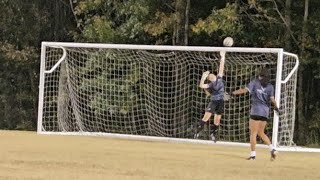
(264, 77)
(215, 73)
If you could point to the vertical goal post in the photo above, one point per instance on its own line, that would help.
(150, 92)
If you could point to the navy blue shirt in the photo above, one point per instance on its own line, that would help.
(260, 98)
(216, 88)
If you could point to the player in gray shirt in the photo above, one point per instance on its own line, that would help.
(215, 89)
(262, 93)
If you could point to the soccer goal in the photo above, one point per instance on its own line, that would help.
(152, 93)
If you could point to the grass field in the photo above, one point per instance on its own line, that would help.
(26, 155)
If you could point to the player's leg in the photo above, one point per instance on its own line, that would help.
(215, 127)
(217, 119)
(254, 128)
(201, 123)
(219, 109)
(261, 133)
(207, 115)
(266, 139)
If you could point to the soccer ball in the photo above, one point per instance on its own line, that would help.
(228, 41)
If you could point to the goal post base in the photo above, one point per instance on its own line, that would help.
(176, 140)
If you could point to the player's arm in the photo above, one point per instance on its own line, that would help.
(245, 90)
(221, 67)
(240, 91)
(207, 92)
(274, 103)
(203, 78)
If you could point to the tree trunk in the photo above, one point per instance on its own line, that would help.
(300, 124)
(63, 99)
(304, 28)
(186, 24)
(180, 33)
(287, 18)
(180, 38)
(34, 90)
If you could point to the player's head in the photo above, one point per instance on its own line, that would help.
(264, 77)
(212, 76)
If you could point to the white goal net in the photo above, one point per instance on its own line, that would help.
(152, 91)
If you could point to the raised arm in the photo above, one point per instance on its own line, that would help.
(221, 67)
(203, 78)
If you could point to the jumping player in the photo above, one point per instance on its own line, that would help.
(216, 106)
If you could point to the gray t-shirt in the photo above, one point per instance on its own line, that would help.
(260, 98)
(216, 88)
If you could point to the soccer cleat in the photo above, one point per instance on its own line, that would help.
(251, 158)
(213, 138)
(273, 154)
(196, 135)
(198, 130)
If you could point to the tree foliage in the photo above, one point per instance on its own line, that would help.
(110, 21)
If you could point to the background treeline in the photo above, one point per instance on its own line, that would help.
(293, 25)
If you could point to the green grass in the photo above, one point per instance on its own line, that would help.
(26, 155)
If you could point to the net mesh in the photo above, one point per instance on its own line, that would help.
(154, 92)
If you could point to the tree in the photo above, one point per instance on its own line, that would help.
(110, 21)
(23, 26)
(18, 87)
(181, 27)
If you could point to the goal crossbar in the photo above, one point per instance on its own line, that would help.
(160, 47)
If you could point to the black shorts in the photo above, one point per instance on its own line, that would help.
(258, 118)
(216, 107)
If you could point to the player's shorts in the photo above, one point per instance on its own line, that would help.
(216, 107)
(258, 118)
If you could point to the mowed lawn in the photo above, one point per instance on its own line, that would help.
(26, 155)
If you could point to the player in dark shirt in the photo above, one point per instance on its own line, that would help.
(216, 105)
(262, 93)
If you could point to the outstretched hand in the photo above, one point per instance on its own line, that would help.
(222, 54)
(278, 111)
(228, 96)
(205, 74)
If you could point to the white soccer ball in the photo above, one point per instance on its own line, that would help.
(228, 41)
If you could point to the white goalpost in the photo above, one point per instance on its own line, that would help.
(151, 92)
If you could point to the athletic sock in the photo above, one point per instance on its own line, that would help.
(271, 147)
(214, 129)
(253, 154)
(200, 125)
